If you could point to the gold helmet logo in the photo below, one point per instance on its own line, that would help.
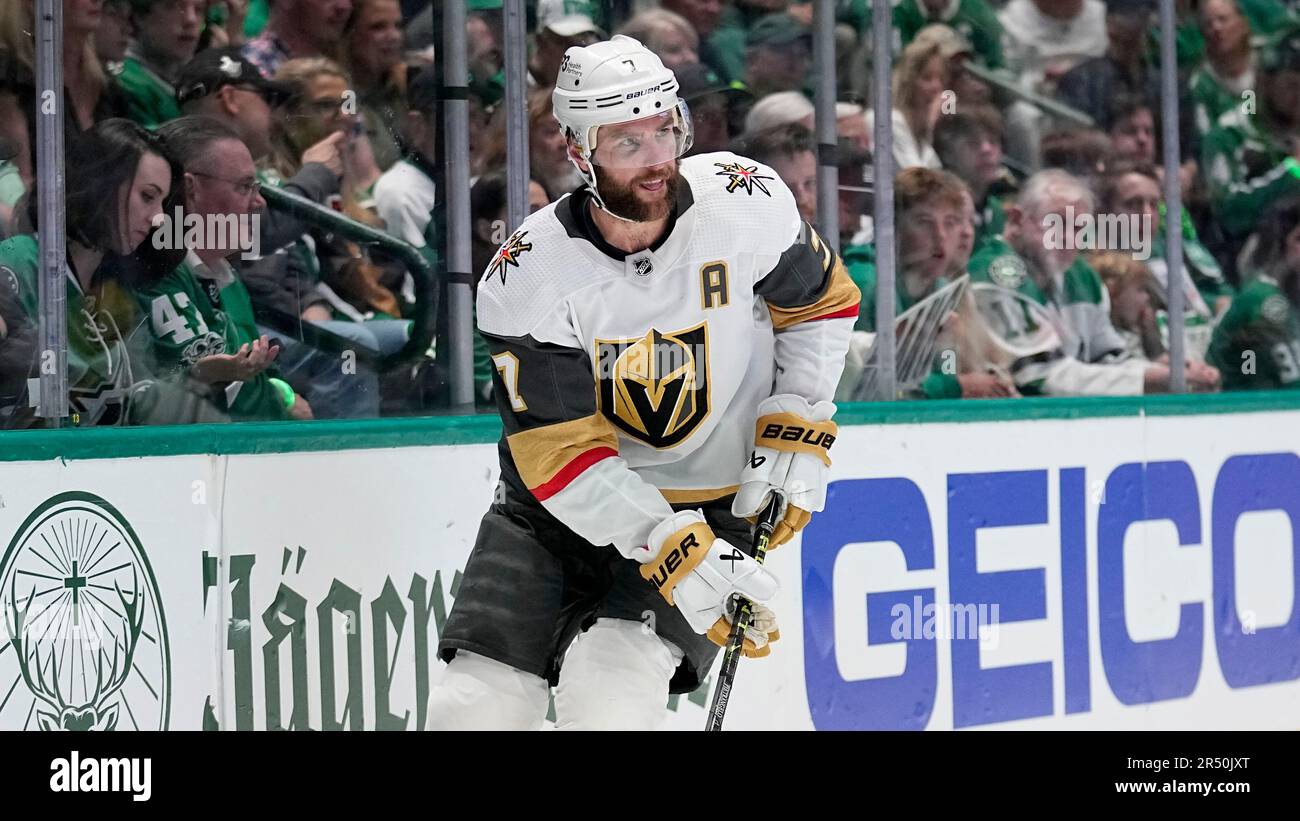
(655, 388)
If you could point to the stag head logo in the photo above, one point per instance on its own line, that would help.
(85, 623)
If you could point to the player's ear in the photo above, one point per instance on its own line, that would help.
(576, 156)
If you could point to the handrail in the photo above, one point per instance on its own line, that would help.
(1004, 80)
(426, 292)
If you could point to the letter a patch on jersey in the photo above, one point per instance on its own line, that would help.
(655, 388)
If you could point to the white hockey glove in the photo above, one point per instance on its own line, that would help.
(699, 574)
(791, 454)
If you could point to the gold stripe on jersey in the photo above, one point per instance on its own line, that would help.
(541, 453)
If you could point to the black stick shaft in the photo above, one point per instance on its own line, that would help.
(744, 611)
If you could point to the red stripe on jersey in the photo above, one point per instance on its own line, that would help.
(843, 313)
(571, 471)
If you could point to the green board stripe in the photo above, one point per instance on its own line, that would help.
(297, 437)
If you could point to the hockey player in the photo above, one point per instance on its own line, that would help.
(667, 340)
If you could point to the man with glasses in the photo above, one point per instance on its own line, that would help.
(200, 315)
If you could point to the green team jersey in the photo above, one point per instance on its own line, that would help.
(99, 364)
(860, 260)
(1200, 264)
(1256, 345)
(972, 19)
(1246, 168)
(989, 221)
(1079, 300)
(191, 318)
(1210, 98)
(151, 100)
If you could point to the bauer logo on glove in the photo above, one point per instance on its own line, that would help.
(818, 438)
(791, 455)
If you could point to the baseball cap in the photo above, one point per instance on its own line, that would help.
(696, 80)
(568, 18)
(777, 30)
(212, 69)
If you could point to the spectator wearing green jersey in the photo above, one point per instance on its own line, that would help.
(1228, 71)
(1048, 284)
(119, 181)
(1252, 156)
(199, 314)
(167, 35)
(1257, 344)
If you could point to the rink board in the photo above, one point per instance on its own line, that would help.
(1132, 564)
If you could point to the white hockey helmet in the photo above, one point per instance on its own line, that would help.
(619, 81)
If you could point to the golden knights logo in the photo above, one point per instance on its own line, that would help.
(508, 255)
(85, 646)
(741, 176)
(656, 388)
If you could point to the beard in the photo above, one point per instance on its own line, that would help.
(623, 200)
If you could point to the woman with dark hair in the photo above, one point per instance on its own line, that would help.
(1257, 343)
(119, 182)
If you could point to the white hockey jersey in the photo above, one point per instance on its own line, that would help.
(627, 382)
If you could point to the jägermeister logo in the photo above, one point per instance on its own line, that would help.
(86, 639)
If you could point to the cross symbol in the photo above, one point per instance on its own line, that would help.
(75, 583)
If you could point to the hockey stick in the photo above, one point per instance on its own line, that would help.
(731, 655)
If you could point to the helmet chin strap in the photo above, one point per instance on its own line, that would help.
(589, 177)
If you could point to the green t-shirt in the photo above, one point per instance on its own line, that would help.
(191, 318)
(860, 261)
(99, 364)
(151, 100)
(1256, 345)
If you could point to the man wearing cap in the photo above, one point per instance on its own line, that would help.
(298, 28)
(777, 52)
(561, 25)
(972, 19)
(222, 85)
(1252, 156)
(167, 33)
(710, 100)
